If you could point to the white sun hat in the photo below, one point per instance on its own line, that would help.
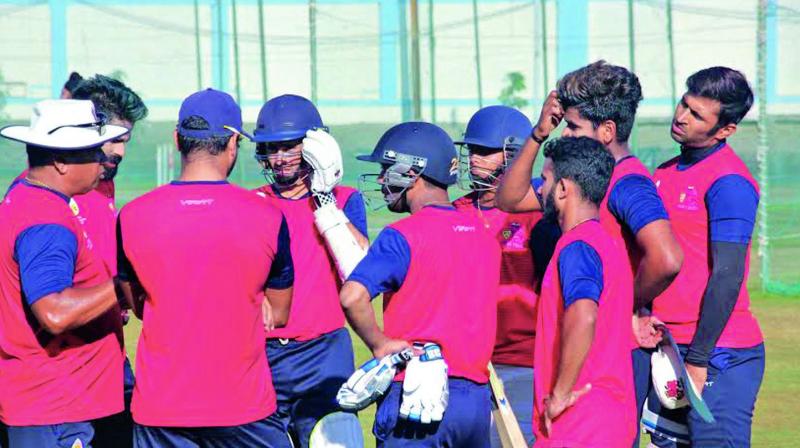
(64, 125)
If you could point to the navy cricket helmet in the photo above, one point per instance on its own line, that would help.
(497, 127)
(422, 146)
(285, 118)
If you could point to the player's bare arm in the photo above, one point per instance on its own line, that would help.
(515, 193)
(279, 302)
(661, 261)
(577, 335)
(361, 317)
(133, 295)
(74, 307)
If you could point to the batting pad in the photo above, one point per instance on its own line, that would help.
(337, 430)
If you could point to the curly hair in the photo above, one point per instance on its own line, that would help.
(584, 161)
(601, 91)
(112, 98)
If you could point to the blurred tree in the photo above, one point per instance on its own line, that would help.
(510, 95)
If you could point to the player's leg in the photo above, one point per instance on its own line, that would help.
(285, 372)
(116, 431)
(642, 384)
(466, 421)
(518, 384)
(267, 432)
(328, 361)
(65, 435)
(734, 378)
(161, 437)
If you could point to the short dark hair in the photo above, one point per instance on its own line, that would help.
(726, 85)
(601, 91)
(40, 156)
(212, 145)
(584, 161)
(112, 98)
(72, 82)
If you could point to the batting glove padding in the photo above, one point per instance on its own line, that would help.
(322, 153)
(370, 381)
(425, 391)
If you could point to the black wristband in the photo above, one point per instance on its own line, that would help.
(537, 139)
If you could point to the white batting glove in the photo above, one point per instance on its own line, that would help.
(370, 381)
(322, 153)
(425, 392)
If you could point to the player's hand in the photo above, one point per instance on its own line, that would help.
(390, 347)
(425, 390)
(647, 329)
(555, 405)
(550, 117)
(322, 153)
(266, 312)
(698, 375)
(370, 381)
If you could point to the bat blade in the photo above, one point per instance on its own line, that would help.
(504, 418)
(695, 400)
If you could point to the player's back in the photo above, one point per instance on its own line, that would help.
(450, 290)
(202, 252)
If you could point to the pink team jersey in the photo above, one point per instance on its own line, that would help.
(606, 415)
(684, 195)
(316, 309)
(628, 166)
(46, 379)
(516, 302)
(202, 252)
(450, 291)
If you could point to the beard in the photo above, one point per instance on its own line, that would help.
(550, 211)
(395, 199)
(110, 167)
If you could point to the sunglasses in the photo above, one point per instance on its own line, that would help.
(100, 125)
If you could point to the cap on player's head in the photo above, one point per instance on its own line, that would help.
(584, 161)
(421, 147)
(727, 86)
(111, 97)
(602, 92)
(497, 127)
(222, 115)
(285, 118)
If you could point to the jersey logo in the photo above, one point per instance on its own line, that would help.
(513, 236)
(461, 228)
(189, 202)
(689, 199)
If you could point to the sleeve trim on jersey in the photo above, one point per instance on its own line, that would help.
(46, 254)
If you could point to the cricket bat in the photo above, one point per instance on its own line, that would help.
(504, 418)
(695, 400)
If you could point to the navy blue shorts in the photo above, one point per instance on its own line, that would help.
(466, 421)
(734, 378)
(64, 435)
(263, 433)
(307, 375)
(642, 384)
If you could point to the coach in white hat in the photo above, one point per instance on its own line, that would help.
(60, 329)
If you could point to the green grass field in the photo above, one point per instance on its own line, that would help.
(778, 411)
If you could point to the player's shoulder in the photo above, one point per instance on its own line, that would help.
(28, 205)
(669, 164)
(147, 199)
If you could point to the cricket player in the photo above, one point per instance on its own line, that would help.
(61, 350)
(199, 259)
(97, 211)
(493, 137)
(712, 200)
(313, 354)
(439, 272)
(583, 377)
(600, 101)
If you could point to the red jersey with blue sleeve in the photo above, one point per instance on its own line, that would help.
(440, 274)
(516, 302)
(703, 200)
(588, 264)
(315, 308)
(631, 203)
(47, 379)
(204, 253)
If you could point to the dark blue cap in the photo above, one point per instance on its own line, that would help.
(427, 143)
(219, 109)
(497, 127)
(286, 117)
